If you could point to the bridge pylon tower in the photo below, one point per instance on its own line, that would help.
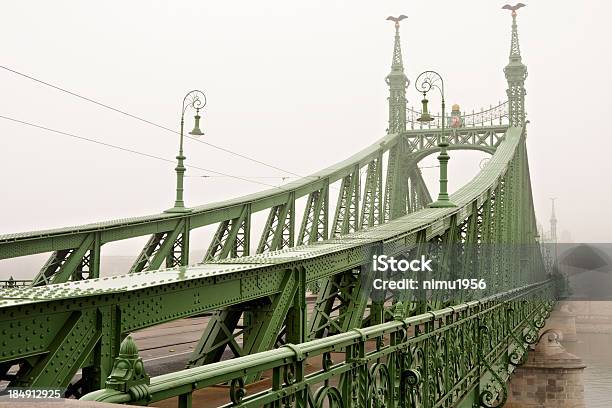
(398, 83)
(516, 73)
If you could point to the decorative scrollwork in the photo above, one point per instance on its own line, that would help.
(485, 117)
(380, 385)
(194, 99)
(531, 337)
(428, 80)
(289, 374)
(518, 356)
(326, 361)
(495, 394)
(288, 401)
(409, 383)
(237, 390)
(328, 397)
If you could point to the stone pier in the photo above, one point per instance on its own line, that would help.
(551, 377)
(563, 321)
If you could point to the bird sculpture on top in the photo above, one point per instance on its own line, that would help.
(397, 19)
(513, 8)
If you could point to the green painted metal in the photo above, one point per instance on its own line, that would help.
(169, 233)
(453, 357)
(426, 82)
(427, 350)
(122, 304)
(195, 100)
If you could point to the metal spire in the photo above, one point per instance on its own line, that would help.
(516, 73)
(397, 63)
(553, 222)
(515, 48)
(398, 82)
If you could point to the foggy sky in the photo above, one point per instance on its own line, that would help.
(297, 84)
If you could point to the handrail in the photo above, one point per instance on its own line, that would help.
(492, 116)
(12, 244)
(175, 384)
(299, 187)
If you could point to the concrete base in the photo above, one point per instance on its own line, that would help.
(551, 377)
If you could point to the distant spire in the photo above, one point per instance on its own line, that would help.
(553, 222)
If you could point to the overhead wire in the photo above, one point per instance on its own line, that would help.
(122, 112)
(129, 150)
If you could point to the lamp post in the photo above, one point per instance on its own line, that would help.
(424, 83)
(194, 100)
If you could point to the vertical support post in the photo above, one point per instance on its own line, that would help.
(95, 256)
(185, 242)
(296, 317)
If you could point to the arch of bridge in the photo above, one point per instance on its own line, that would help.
(416, 156)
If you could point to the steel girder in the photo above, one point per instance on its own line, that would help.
(346, 218)
(279, 231)
(262, 321)
(341, 302)
(314, 222)
(126, 303)
(232, 238)
(77, 263)
(171, 246)
(372, 207)
(76, 251)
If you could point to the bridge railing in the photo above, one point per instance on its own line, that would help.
(492, 116)
(437, 358)
(14, 283)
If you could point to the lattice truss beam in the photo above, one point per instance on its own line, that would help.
(341, 303)
(346, 218)
(490, 242)
(255, 326)
(232, 238)
(279, 230)
(486, 138)
(263, 305)
(170, 246)
(314, 225)
(362, 203)
(372, 207)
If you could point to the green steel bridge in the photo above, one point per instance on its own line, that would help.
(378, 348)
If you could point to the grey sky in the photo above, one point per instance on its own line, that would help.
(296, 84)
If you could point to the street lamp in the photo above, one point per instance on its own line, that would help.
(195, 100)
(424, 83)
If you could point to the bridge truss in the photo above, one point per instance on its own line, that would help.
(73, 317)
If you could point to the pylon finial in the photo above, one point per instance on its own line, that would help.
(514, 8)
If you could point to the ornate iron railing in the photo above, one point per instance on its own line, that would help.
(436, 359)
(493, 116)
